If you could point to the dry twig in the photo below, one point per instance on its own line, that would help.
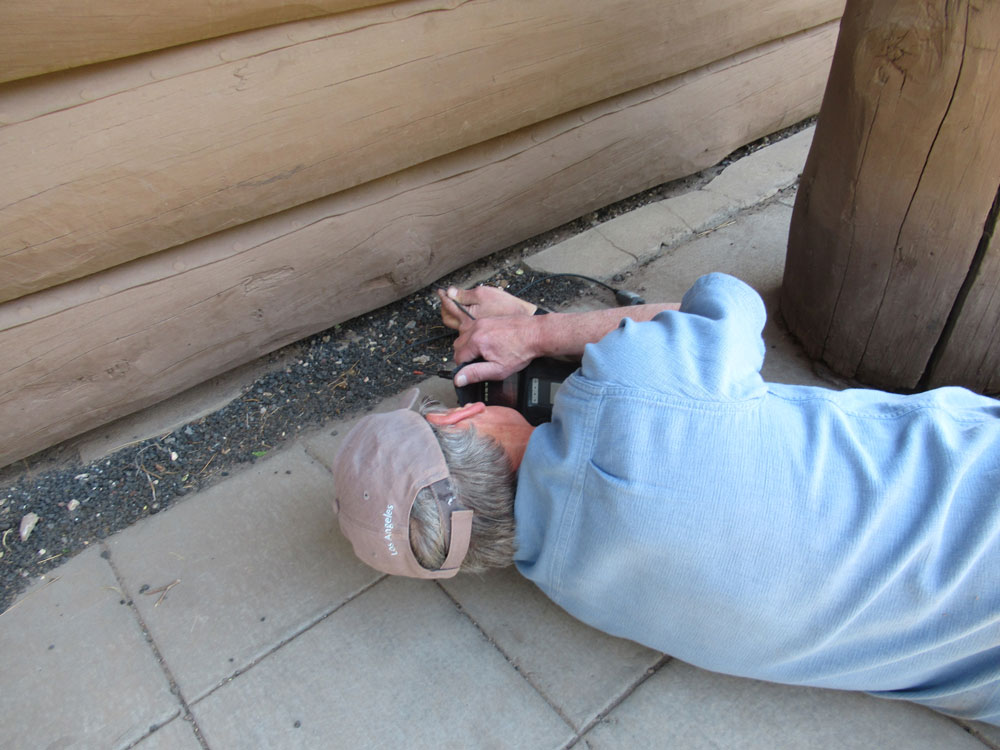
(162, 591)
(206, 464)
(147, 472)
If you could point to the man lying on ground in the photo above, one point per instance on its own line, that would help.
(839, 539)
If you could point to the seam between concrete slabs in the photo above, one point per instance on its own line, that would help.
(618, 700)
(175, 689)
(611, 705)
(309, 625)
(524, 676)
(975, 733)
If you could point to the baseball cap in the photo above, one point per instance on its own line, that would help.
(384, 461)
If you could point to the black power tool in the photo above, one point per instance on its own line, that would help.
(531, 391)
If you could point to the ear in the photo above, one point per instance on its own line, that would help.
(456, 415)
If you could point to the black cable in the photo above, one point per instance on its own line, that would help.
(536, 282)
(624, 297)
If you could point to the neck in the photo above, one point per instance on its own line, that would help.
(513, 438)
(515, 445)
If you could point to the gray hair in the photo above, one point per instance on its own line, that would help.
(485, 483)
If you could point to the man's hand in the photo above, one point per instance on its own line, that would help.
(507, 343)
(504, 331)
(481, 302)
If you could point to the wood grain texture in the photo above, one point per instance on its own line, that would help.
(26, 99)
(898, 184)
(90, 351)
(41, 36)
(146, 169)
(970, 356)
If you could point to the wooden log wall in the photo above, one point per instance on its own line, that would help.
(169, 216)
(41, 36)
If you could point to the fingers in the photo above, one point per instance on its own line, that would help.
(480, 340)
(490, 302)
(504, 343)
(480, 371)
(464, 296)
(451, 316)
(465, 349)
(456, 304)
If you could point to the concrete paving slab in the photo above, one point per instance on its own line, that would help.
(763, 174)
(78, 672)
(751, 248)
(787, 198)
(681, 706)
(700, 210)
(257, 558)
(401, 667)
(589, 253)
(175, 735)
(643, 232)
(579, 670)
(986, 732)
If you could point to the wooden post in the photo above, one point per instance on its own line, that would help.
(891, 276)
(970, 352)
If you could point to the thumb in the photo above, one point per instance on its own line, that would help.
(477, 372)
(464, 296)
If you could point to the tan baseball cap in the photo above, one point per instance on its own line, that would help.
(385, 460)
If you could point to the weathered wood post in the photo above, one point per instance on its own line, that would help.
(893, 268)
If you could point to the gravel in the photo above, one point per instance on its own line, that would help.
(48, 516)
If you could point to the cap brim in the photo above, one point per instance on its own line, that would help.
(405, 400)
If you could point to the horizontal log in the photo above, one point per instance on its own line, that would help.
(93, 350)
(147, 169)
(24, 100)
(40, 36)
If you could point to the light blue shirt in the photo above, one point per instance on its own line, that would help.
(787, 533)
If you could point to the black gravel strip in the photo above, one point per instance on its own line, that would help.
(339, 372)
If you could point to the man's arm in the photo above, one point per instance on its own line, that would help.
(508, 342)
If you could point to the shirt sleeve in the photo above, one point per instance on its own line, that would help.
(711, 349)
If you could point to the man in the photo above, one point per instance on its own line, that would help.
(786, 533)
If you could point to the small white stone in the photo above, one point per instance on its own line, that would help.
(28, 525)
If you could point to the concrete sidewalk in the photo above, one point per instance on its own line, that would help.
(239, 618)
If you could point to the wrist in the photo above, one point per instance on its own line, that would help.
(543, 328)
